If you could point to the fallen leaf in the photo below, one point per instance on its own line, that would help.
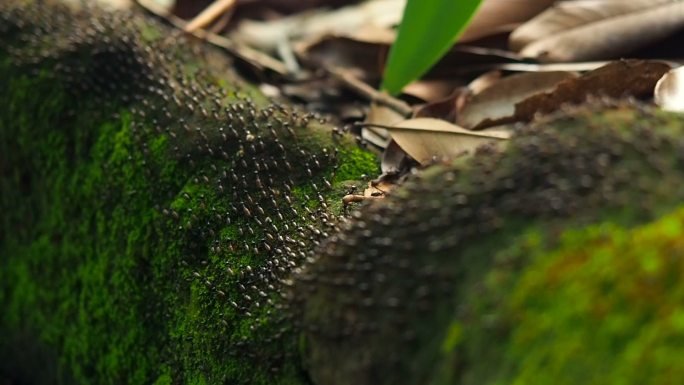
(634, 78)
(448, 107)
(394, 159)
(596, 29)
(484, 81)
(314, 25)
(380, 115)
(465, 59)
(669, 91)
(495, 16)
(444, 109)
(566, 15)
(497, 102)
(345, 51)
(289, 6)
(431, 90)
(550, 67)
(378, 189)
(425, 139)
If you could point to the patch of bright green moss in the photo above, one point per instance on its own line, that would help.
(599, 306)
(605, 307)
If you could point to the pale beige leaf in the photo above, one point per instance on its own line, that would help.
(669, 91)
(380, 115)
(550, 67)
(431, 90)
(310, 26)
(425, 139)
(597, 29)
(566, 15)
(501, 16)
(484, 81)
(498, 101)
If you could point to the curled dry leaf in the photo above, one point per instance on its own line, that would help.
(446, 108)
(431, 90)
(669, 91)
(380, 115)
(597, 29)
(394, 159)
(567, 15)
(496, 103)
(425, 139)
(379, 188)
(546, 67)
(368, 57)
(633, 78)
(496, 16)
(484, 81)
(316, 24)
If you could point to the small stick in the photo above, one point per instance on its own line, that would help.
(369, 92)
(241, 51)
(209, 14)
(348, 199)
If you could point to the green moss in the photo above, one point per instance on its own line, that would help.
(147, 239)
(134, 247)
(605, 307)
(415, 288)
(356, 163)
(602, 306)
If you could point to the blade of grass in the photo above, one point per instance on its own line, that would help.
(427, 31)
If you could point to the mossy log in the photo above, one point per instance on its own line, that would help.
(163, 225)
(152, 209)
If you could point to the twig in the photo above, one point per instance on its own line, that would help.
(349, 199)
(209, 14)
(369, 92)
(241, 51)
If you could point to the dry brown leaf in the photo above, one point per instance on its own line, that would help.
(378, 189)
(634, 78)
(370, 57)
(426, 139)
(446, 108)
(495, 16)
(484, 81)
(393, 158)
(669, 91)
(380, 115)
(597, 29)
(315, 25)
(550, 67)
(496, 103)
(566, 15)
(431, 90)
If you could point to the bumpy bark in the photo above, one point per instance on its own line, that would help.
(467, 274)
(162, 226)
(152, 211)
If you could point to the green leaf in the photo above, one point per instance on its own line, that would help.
(427, 31)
